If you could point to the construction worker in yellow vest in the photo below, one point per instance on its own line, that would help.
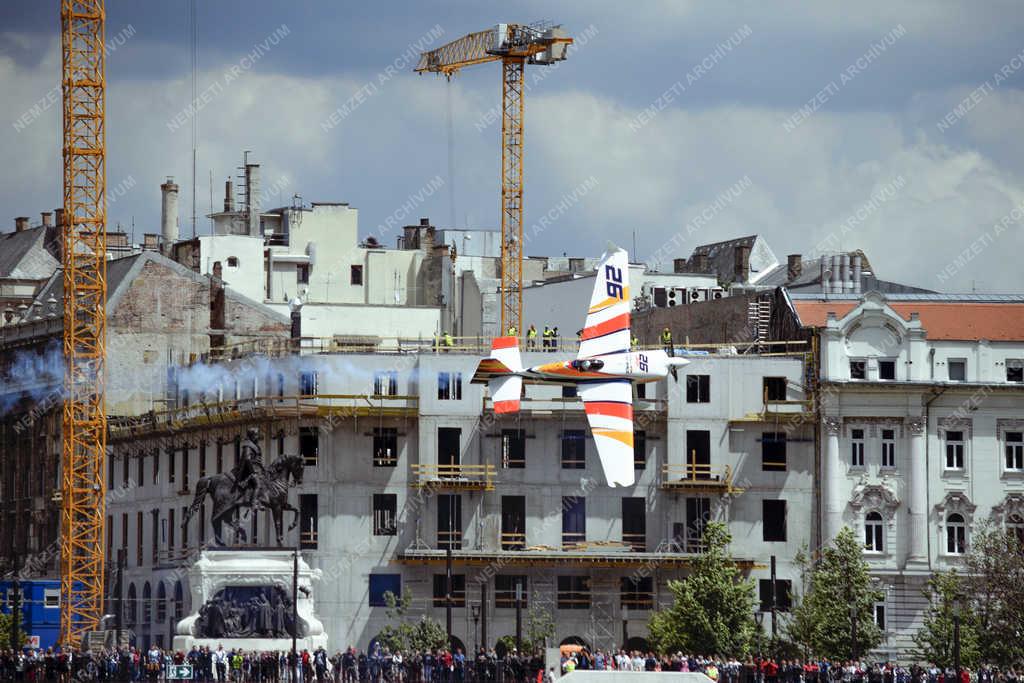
(666, 340)
(531, 338)
(634, 343)
(449, 342)
(546, 340)
(512, 331)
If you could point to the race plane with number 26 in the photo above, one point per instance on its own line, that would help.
(604, 370)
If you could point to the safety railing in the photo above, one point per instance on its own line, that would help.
(446, 476)
(513, 540)
(637, 542)
(695, 475)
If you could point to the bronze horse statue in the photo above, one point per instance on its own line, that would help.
(275, 480)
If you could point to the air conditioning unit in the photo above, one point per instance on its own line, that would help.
(694, 295)
(717, 293)
(673, 297)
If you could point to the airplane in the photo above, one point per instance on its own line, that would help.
(604, 370)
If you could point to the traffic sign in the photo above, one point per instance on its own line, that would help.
(179, 672)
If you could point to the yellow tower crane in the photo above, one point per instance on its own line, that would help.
(84, 425)
(514, 45)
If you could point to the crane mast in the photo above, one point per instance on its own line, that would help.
(84, 422)
(514, 45)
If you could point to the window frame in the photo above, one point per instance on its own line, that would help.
(857, 444)
(355, 275)
(770, 387)
(891, 362)
(956, 534)
(774, 465)
(384, 507)
(573, 592)
(382, 436)
(766, 504)
(512, 443)
(955, 450)
(1013, 451)
(698, 388)
(1016, 365)
(858, 369)
(573, 457)
(887, 451)
(449, 385)
(874, 533)
(960, 362)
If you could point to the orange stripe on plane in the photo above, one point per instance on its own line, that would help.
(506, 406)
(624, 437)
(619, 322)
(610, 301)
(610, 408)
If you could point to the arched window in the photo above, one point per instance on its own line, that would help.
(1015, 527)
(132, 612)
(161, 603)
(956, 534)
(874, 531)
(147, 603)
(179, 601)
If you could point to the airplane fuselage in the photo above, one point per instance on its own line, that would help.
(635, 366)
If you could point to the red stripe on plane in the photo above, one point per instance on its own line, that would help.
(506, 406)
(619, 322)
(611, 408)
(505, 343)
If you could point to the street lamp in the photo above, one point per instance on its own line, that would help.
(759, 619)
(957, 609)
(475, 610)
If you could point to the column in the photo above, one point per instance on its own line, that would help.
(831, 475)
(917, 534)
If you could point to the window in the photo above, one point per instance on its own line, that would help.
(131, 609)
(170, 465)
(449, 521)
(124, 530)
(147, 603)
(449, 386)
(202, 459)
(385, 514)
(505, 590)
(856, 448)
(773, 451)
(280, 384)
(957, 369)
(280, 443)
(309, 445)
(161, 603)
(698, 454)
(783, 595)
(155, 537)
(220, 457)
(138, 538)
(308, 521)
(858, 369)
(641, 390)
(574, 449)
(385, 383)
(385, 447)
(140, 466)
(573, 592)
(574, 521)
(956, 534)
(513, 522)
(449, 452)
(775, 388)
(184, 528)
(381, 584)
(458, 590)
(125, 472)
(570, 391)
(634, 524)
(307, 383)
(171, 526)
(51, 598)
(1014, 370)
(185, 453)
(954, 450)
(232, 261)
(637, 593)
(356, 275)
(156, 465)
(639, 449)
(889, 448)
(887, 369)
(1014, 450)
(698, 514)
(698, 388)
(774, 520)
(302, 273)
(878, 614)
(513, 448)
(873, 533)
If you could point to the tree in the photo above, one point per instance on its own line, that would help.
(399, 634)
(539, 626)
(713, 609)
(6, 628)
(995, 563)
(835, 617)
(934, 640)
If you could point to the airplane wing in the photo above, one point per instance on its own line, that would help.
(607, 326)
(609, 407)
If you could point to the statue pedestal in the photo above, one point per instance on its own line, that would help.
(242, 599)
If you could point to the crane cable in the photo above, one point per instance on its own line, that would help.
(449, 115)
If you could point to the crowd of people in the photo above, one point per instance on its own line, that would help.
(444, 666)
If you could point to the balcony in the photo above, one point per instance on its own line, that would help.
(697, 478)
(453, 477)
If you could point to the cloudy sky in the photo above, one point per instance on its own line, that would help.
(896, 129)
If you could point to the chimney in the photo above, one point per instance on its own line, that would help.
(741, 263)
(826, 275)
(794, 266)
(21, 223)
(679, 265)
(58, 215)
(700, 263)
(252, 198)
(150, 241)
(47, 219)
(857, 270)
(229, 195)
(844, 273)
(169, 214)
(217, 317)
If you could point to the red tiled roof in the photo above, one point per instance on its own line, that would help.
(960, 320)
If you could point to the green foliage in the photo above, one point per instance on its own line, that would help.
(995, 564)
(713, 610)
(6, 626)
(408, 634)
(934, 640)
(538, 626)
(837, 603)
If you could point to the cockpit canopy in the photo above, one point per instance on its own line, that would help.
(587, 365)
